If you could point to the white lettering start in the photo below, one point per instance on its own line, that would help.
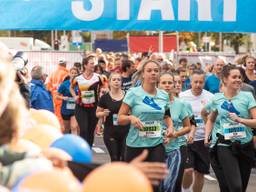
(147, 6)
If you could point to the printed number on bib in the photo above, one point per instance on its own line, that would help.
(199, 122)
(234, 131)
(151, 129)
(71, 104)
(88, 97)
(115, 119)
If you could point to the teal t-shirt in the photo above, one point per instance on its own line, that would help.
(188, 108)
(240, 104)
(150, 110)
(178, 113)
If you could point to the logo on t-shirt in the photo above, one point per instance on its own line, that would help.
(150, 102)
(228, 106)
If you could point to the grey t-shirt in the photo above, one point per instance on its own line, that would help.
(248, 88)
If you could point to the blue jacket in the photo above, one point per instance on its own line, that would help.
(40, 98)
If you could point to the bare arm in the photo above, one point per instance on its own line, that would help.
(61, 97)
(204, 115)
(186, 128)
(101, 112)
(169, 124)
(72, 91)
(124, 118)
(247, 122)
(209, 125)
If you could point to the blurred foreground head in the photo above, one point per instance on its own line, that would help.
(11, 102)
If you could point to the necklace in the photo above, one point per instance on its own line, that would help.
(115, 99)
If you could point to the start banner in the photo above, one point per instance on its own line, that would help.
(167, 15)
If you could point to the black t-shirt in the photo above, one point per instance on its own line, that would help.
(126, 83)
(110, 125)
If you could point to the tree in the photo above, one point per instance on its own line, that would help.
(122, 34)
(235, 39)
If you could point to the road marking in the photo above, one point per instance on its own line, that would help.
(98, 150)
(210, 178)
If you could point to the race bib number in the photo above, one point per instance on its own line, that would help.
(115, 119)
(199, 122)
(88, 97)
(71, 104)
(234, 131)
(151, 129)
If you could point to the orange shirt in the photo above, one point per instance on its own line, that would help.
(56, 78)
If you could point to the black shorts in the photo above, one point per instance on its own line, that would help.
(198, 157)
(66, 117)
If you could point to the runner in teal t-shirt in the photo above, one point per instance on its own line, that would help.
(236, 111)
(175, 157)
(145, 108)
(150, 110)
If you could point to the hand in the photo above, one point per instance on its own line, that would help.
(171, 134)
(136, 122)
(190, 138)
(166, 140)
(57, 156)
(155, 172)
(207, 142)
(65, 98)
(76, 98)
(234, 117)
(106, 112)
(21, 78)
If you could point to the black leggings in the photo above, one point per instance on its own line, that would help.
(115, 143)
(232, 171)
(219, 173)
(155, 154)
(87, 121)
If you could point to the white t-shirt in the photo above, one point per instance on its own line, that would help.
(197, 103)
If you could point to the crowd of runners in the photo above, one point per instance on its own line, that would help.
(185, 115)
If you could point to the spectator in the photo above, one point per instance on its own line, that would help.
(102, 63)
(55, 79)
(98, 69)
(198, 66)
(249, 63)
(183, 62)
(187, 83)
(183, 75)
(245, 86)
(78, 65)
(127, 71)
(40, 97)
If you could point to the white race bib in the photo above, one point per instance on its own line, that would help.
(115, 119)
(199, 122)
(234, 131)
(88, 97)
(71, 104)
(151, 129)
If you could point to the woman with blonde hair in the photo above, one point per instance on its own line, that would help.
(108, 107)
(146, 108)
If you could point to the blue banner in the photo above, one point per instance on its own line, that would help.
(171, 15)
(111, 45)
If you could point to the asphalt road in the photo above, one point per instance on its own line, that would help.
(101, 156)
